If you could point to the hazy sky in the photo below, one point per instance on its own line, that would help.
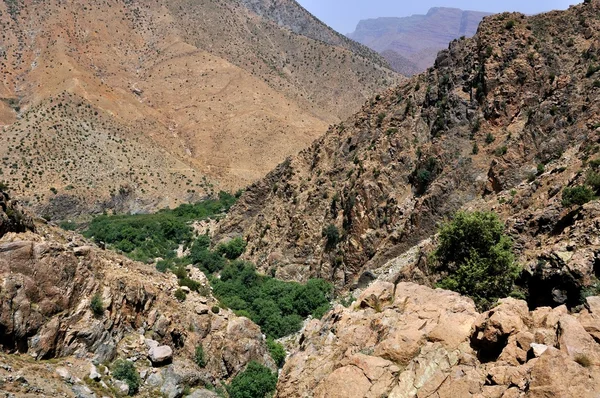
(343, 15)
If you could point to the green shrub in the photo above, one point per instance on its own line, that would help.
(476, 258)
(190, 283)
(97, 305)
(180, 295)
(144, 237)
(215, 309)
(162, 266)
(510, 24)
(232, 249)
(257, 381)
(541, 169)
(68, 225)
(199, 357)
(593, 180)
(278, 307)
(592, 69)
(208, 261)
(277, 352)
(576, 196)
(332, 235)
(489, 138)
(475, 149)
(125, 371)
(501, 151)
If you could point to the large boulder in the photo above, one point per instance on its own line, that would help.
(160, 355)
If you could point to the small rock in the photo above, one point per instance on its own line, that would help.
(64, 373)
(82, 251)
(203, 394)
(154, 380)
(121, 386)
(94, 374)
(171, 390)
(202, 309)
(160, 355)
(538, 349)
(82, 391)
(185, 289)
(151, 343)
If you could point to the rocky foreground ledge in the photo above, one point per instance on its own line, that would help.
(408, 340)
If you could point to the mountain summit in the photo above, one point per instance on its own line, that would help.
(410, 44)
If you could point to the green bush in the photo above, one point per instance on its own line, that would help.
(144, 237)
(576, 196)
(208, 261)
(277, 307)
(97, 305)
(68, 225)
(257, 381)
(232, 249)
(593, 180)
(180, 295)
(199, 357)
(332, 235)
(277, 352)
(541, 169)
(476, 258)
(215, 309)
(125, 371)
(162, 266)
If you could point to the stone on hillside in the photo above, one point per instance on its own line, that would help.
(121, 386)
(202, 309)
(538, 349)
(160, 355)
(94, 374)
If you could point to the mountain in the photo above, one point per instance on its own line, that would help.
(410, 44)
(506, 122)
(133, 106)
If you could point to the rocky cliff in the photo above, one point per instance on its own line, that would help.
(504, 122)
(74, 308)
(410, 44)
(407, 340)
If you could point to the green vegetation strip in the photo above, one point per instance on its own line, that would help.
(278, 307)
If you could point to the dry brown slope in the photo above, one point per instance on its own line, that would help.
(179, 82)
(521, 92)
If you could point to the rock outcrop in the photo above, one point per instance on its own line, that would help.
(48, 280)
(408, 340)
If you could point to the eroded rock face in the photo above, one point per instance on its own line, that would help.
(12, 216)
(422, 342)
(48, 279)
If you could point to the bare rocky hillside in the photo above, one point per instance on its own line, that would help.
(410, 44)
(506, 121)
(133, 105)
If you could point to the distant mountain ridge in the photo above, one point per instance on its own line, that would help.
(410, 44)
